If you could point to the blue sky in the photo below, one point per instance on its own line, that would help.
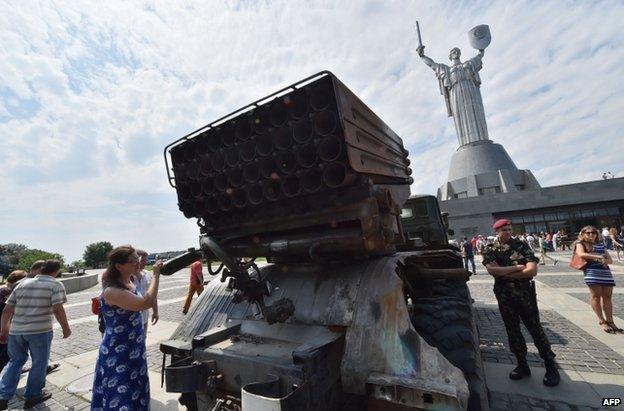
(90, 93)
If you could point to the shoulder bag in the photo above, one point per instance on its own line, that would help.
(577, 262)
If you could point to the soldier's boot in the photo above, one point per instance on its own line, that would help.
(521, 371)
(551, 378)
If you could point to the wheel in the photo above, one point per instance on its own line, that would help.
(446, 321)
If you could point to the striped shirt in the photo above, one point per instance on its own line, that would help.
(33, 299)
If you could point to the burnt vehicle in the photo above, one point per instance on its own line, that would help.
(347, 314)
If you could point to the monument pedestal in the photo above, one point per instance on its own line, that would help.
(482, 168)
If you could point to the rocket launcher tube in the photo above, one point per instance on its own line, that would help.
(183, 260)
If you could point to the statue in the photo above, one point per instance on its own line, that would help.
(459, 84)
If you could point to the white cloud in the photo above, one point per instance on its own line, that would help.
(91, 93)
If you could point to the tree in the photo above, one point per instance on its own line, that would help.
(96, 253)
(11, 253)
(30, 256)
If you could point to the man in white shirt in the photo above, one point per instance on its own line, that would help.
(142, 282)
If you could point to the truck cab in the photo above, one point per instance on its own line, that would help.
(423, 223)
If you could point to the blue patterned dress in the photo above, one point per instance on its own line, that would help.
(597, 274)
(121, 381)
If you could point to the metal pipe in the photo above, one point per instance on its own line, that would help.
(189, 151)
(225, 202)
(232, 156)
(235, 177)
(286, 161)
(214, 141)
(251, 172)
(321, 96)
(264, 145)
(306, 155)
(336, 175)
(283, 138)
(268, 168)
(312, 180)
(260, 119)
(212, 205)
(303, 131)
(329, 149)
(297, 104)
(239, 199)
(193, 170)
(217, 162)
(221, 182)
(277, 112)
(205, 167)
(208, 186)
(325, 122)
(248, 151)
(254, 193)
(196, 189)
(242, 129)
(271, 190)
(291, 186)
(227, 135)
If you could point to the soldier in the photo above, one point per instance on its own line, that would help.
(513, 265)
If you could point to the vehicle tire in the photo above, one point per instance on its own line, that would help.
(446, 321)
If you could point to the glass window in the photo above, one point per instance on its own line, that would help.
(463, 194)
(564, 215)
(600, 211)
(406, 213)
(528, 218)
(550, 217)
(587, 213)
(613, 211)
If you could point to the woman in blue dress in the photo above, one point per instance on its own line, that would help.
(121, 380)
(597, 276)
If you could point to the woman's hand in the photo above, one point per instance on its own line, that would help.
(157, 267)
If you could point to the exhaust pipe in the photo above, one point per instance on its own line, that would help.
(291, 186)
(235, 177)
(297, 104)
(251, 173)
(225, 202)
(248, 151)
(242, 129)
(321, 96)
(286, 161)
(283, 138)
(302, 131)
(254, 193)
(221, 182)
(264, 145)
(271, 190)
(268, 168)
(330, 149)
(312, 180)
(336, 175)
(231, 156)
(217, 162)
(277, 112)
(239, 199)
(325, 122)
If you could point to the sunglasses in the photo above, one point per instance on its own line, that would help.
(590, 232)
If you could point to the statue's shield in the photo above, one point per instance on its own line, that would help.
(480, 37)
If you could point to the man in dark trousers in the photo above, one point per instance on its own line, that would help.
(513, 265)
(468, 254)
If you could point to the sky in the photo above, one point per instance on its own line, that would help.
(91, 93)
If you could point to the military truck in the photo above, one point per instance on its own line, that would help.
(351, 311)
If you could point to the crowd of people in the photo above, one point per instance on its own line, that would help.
(542, 243)
(29, 301)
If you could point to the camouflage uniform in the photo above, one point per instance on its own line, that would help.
(516, 297)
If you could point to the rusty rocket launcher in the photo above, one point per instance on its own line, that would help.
(308, 173)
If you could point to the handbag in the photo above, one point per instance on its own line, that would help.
(95, 305)
(577, 262)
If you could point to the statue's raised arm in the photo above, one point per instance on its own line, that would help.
(428, 61)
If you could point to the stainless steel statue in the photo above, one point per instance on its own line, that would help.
(459, 84)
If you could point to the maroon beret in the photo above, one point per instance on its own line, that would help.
(501, 223)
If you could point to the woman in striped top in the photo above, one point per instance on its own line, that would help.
(598, 276)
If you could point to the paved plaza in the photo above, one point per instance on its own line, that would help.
(591, 361)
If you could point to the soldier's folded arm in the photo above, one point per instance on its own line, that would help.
(497, 271)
